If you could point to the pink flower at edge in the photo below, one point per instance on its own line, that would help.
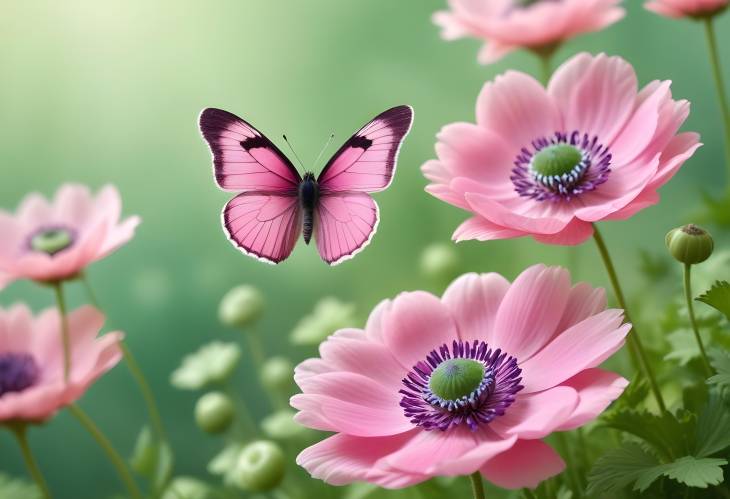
(507, 25)
(538, 342)
(51, 241)
(32, 385)
(548, 163)
(687, 8)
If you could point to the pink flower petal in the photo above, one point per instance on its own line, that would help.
(576, 232)
(526, 464)
(536, 415)
(480, 229)
(583, 346)
(596, 390)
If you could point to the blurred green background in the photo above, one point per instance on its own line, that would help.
(109, 91)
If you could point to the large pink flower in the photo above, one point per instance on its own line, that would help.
(51, 241)
(538, 25)
(32, 385)
(471, 381)
(687, 8)
(549, 162)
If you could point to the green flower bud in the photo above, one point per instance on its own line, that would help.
(440, 262)
(185, 487)
(214, 412)
(277, 374)
(281, 425)
(260, 467)
(241, 307)
(690, 244)
(328, 316)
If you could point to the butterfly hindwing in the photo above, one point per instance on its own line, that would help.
(366, 162)
(243, 158)
(344, 224)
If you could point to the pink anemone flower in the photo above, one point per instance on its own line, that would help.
(472, 381)
(537, 25)
(687, 8)
(52, 241)
(32, 384)
(548, 163)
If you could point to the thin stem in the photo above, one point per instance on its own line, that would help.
(117, 461)
(259, 358)
(719, 85)
(477, 487)
(20, 432)
(65, 340)
(633, 336)
(136, 371)
(693, 320)
(545, 68)
(572, 472)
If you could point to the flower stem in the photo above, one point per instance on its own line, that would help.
(20, 432)
(693, 320)
(719, 85)
(113, 456)
(136, 371)
(633, 337)
(65, 340)
(477, 487)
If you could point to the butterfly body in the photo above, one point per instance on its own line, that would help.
(308, 199)
(275, 204)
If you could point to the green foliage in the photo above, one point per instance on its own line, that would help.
(620, 468)
(152, 459)
(11, 487)
(720, 360)
(718, 297)
(683, 347)
(695, 472)
(671, 435)
(713, 426)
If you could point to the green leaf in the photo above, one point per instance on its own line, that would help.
(16, 487)
(620, 468)
(720, 360)
(718, 297)
(684, 346)
(668, 434)
(713, 426)
(696, 472)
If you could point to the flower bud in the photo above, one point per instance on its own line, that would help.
(690, 244)
(241, 307)
(440, 262)
(277, 374)
(214, 412)
(260, 467)
(185, 487)
(281, 425)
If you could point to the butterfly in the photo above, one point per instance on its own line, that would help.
(275, 204)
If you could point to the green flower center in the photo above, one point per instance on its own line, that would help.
(526, 3)
(51, 241)
(456, 378)
(556, 160)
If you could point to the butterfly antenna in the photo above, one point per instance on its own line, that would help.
(292, 150)
(319, 156)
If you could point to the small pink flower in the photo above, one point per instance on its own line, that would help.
(538, 25)
(471, 381)
(687, 8)
(547, 163)
(32, 385)
(51, 241)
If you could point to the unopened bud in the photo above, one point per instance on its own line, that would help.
(690, 244)
(214, 412)
(241, 307)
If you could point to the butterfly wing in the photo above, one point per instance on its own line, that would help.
(243, 158)
(265, 226)
(366, 162)
(345, 223)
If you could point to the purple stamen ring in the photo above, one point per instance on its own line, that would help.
(18, 371)
(469, 384)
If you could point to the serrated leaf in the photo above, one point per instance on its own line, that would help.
(696, 472)
(718, 297)
(620, 468)
(713, 426)
(669, 434)
(720, 360)
(683, 346)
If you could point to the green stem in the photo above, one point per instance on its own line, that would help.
(477, 487)
(529, 494)
(136, 371)
(633, 337)
(693, 320)
(572, 471)
(259, 358)
(20, 432)
(545, 68)
(65, 340)
(719, 85)
(124, 474)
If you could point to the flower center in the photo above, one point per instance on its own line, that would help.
(52, 240)
(456, 378)
(469, 384)
(18, 371)
(526, 3)
(561, 167)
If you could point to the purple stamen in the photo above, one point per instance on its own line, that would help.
(18, 371)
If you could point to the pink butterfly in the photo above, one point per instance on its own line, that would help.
(276, 204)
